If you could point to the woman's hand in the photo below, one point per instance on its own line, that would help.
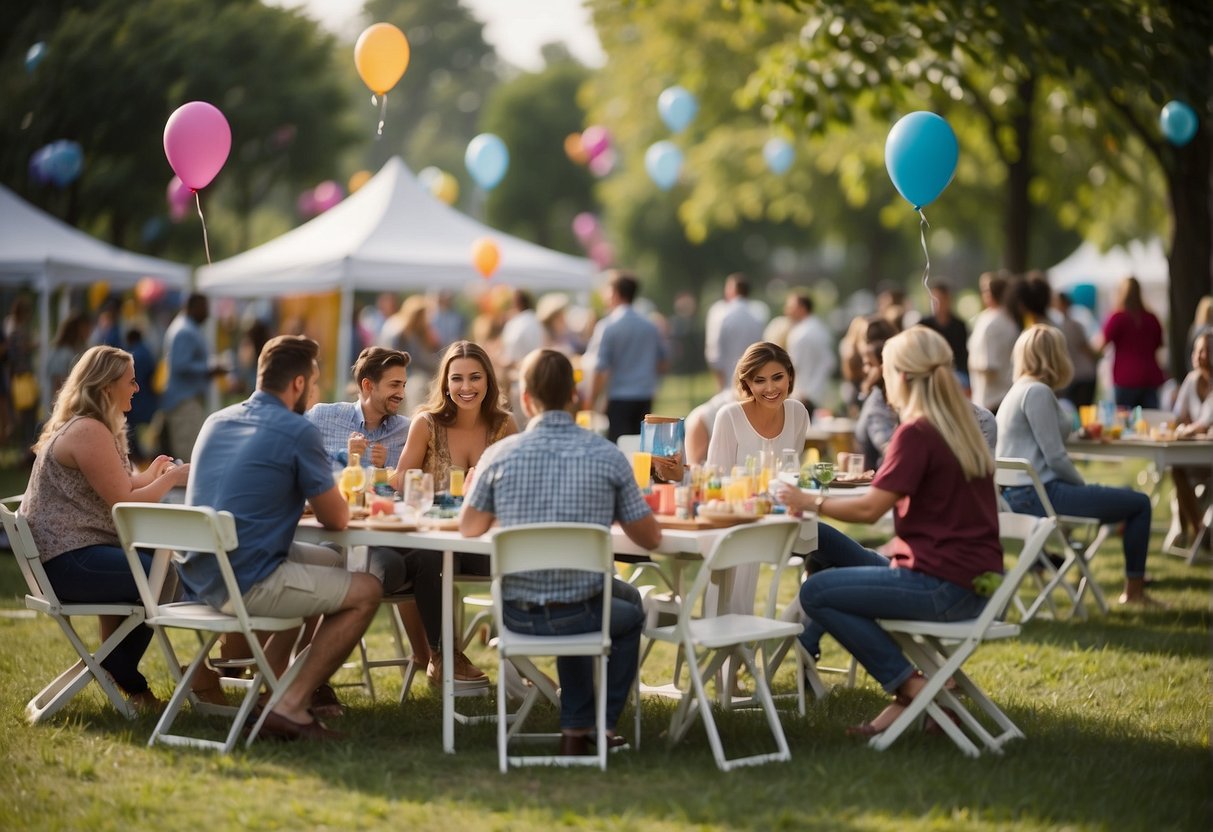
(178, 475)
(790, 496)
(669, 468)
(159, 465)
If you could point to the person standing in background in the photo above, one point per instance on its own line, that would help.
(145, 401)
(811, 346)
(1081, 391)
(71, 340)
(189, 377)
(990, 344)
(522, 334)
(1136, 336)
(417, 339)
(628, 356)
(952, 329)
(732, 325)
(448, 322)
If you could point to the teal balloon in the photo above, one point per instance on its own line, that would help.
(487, 160)
(1178, 122)
(921, 154)
(779, 155)
(677, 108)
(34, 56)
(663, 161)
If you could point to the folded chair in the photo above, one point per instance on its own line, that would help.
(42, 598)
(940, 649)
(709, 642)
(538, 546)
(1078, 537)
(201, 529)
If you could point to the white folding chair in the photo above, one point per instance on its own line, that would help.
(42, 598)
(540, 546)
(940, 649)
(628, 443)
(709, 642)
(201, 529)
(1078, 537)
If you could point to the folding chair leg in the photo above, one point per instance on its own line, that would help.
(48, 701)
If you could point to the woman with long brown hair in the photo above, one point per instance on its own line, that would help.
(465, 413)
(1136, 336)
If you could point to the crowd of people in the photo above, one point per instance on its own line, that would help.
(935, 401)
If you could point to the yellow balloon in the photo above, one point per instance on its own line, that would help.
(446, 188)
(485, 256)
(381, 56)
(358, 180)
(97, 293)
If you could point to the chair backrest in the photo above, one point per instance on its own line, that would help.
(1031, 532)
(1009, 471)
(23, 546)
(538, 546)
(182, 529)
(767, 542)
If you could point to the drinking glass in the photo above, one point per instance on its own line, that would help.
(824, 471)
(855, 466)
(642, 465)
(419, 493)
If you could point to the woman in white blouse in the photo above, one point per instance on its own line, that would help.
(1194, 411)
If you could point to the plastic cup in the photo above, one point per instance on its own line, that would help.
(642, 465)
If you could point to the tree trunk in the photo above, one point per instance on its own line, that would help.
(1191, 258)
(1017, 221)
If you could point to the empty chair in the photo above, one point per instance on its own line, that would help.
(940, 649)
(200, 529)
(42, 598)
(709, 642)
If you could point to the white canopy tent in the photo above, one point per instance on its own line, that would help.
(42, 252)
(390, 235)
(1147, 261)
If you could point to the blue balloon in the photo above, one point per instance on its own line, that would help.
(663, 161)
(487, 160)
(39, 165)
(779, 155)
(65, 162)
(1178, 122)
(920, 155)
(677, 108)
(34, 56)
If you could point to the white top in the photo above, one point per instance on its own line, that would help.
(734, 438)
(521, 335)
(1188, 402)
(990, 344)
(730, 328)
(811, 348)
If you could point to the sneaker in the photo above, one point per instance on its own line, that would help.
(465, 671)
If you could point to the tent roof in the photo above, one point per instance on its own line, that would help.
(38, 249)
(1145, 260)
(390, 235)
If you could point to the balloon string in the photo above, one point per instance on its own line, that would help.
(923, 227)
(382, 115)
(205, 242)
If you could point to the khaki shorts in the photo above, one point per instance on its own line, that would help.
(311, 582)
(184, 424)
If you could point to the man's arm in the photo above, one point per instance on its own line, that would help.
(473, 522)
(331, 509)
(645, 532)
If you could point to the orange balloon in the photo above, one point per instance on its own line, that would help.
(574, 150)
(446, 188)
(485, 256)
(381, 56)
(358, 179)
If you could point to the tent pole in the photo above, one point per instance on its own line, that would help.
(344, 336)
(44, 347)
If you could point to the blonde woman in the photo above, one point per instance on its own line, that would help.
(938, 478)
(465, 414)
(81, 468)
(1032, 426)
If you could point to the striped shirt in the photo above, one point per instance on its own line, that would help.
(555, 472)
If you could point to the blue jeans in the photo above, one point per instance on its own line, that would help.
(834, 549)
(1145, 397)
(845, 602)
(577, 672)
(100, 575)
(1107, 504)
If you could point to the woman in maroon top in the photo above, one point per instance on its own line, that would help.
(1136, 336)
(945, 513)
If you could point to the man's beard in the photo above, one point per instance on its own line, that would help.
(301, 402)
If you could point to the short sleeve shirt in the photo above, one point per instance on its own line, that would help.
(337, 420)
(260, 461)
(946, 526)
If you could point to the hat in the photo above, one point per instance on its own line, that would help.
(550, 306)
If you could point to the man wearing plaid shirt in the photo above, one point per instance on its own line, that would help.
(557, 472)
(374, 420)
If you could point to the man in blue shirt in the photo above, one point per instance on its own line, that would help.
(515, 485)
(261, 460)
(189, 376)
(629, 356)
(371, 427)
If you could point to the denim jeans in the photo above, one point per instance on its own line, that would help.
(834, 549)
(100, 575)
(1107, 504)
(1145, 397)
(845, 602)
(577, 672)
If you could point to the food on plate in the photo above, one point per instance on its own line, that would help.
(382, 505)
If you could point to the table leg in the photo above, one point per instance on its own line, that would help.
(448, 655)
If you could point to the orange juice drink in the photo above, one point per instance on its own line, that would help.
(456, 487)
(642, 465)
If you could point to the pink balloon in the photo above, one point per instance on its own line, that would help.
(594, 140)
(306, 204)
(325, 195)
(197, 139)
(603, 163)
(585, 226)
(179, 197)
(602, 253)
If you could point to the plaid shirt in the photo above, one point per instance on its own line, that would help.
(555, 472)
(339, 419)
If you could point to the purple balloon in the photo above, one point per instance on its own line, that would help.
(197, 139)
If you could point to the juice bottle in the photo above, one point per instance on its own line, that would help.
(353, 480)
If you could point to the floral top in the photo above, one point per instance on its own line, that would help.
(437, 460)
(63, 510)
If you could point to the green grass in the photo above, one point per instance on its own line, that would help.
(1116, 711)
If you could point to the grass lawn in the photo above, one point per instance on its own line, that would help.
(1116, 711)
